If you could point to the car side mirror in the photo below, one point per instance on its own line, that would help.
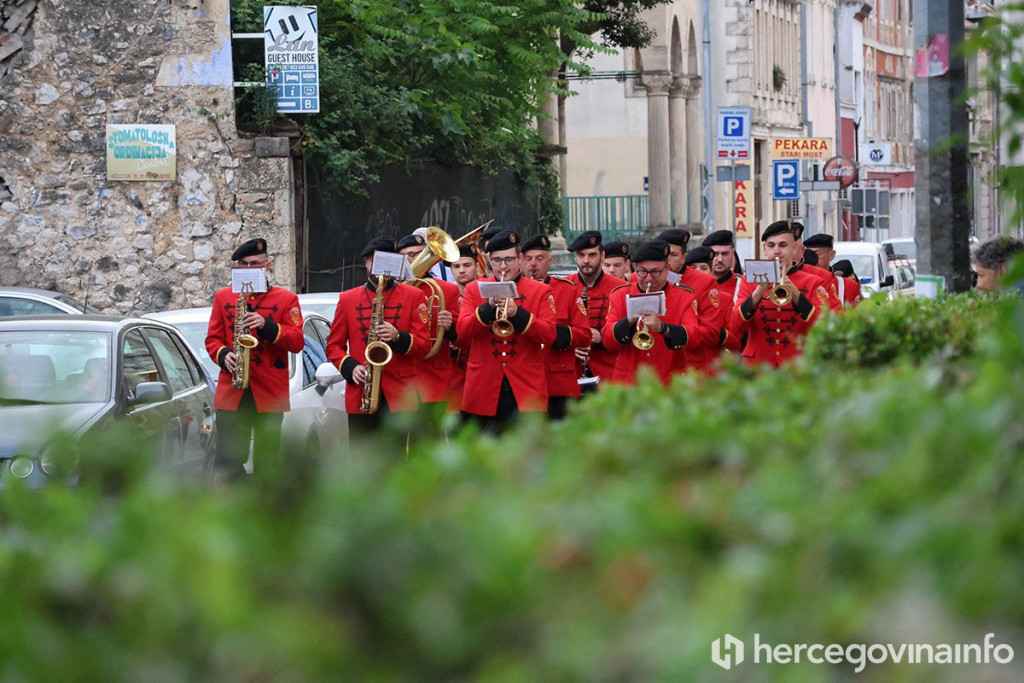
(326, 376)
(888, 281)
(151, 392)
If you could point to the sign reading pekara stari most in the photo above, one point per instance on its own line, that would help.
(141, 152)
(290, 47)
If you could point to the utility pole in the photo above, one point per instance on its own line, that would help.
(940, 152)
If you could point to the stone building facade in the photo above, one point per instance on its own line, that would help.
(70, 67)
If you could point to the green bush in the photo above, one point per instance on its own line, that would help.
(806, 504)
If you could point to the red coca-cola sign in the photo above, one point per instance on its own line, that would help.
(842, 169)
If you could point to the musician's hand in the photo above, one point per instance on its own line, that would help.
(231, 362)
(445, 319)
(653, 323)
(359, 374)
(387, 332)
(758, 293)
(793, 290)
(512, 308)
(582, 353)
(595, 336)
(253, 320)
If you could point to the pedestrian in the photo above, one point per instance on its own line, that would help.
(252, 414)
(991, 260)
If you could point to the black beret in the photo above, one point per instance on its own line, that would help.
(537, 242)
(410, 241)
(843, 268)
(506, 239)
(467, 251)
(719, 238)
(676, 236)
(586, 240)
(253, 247)
(779, 227)
(810, 257)
(489, 233)
(616, 248)
(655, 250)
(378, 244)
(822, 239)
(700, 254)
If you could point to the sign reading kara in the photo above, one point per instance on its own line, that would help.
(290, 48)
(141, 152)
(802, 148)
(743, 209)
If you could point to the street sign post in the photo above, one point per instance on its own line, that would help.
(785, 179)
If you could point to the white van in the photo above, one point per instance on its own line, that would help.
(870, 263)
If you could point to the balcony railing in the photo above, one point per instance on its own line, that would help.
(614, 216)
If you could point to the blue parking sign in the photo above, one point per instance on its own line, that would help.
(785, 179)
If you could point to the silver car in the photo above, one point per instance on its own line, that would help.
(317, 417)
(27, 301)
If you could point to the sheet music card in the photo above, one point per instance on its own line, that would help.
(388, 264)
(673, 277)
(641, 303)
(760, 271)
(499, 290)
(257, 277)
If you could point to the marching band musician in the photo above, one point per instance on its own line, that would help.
(699, 258)
(616, 260)
(404, 330)
(849, 285)
(773, 331)
(572, 327)
(435, 376)
(465, 271)
(593, 286)
(710, 335)
(275, 319)
(506, 375)
(724, 263)
(826, 276)
(669, 333)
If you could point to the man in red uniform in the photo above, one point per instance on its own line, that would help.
(506, 375)
(699, 258)
(572, 327)
(465, 271)
(435, 376)
(710, 335)
(849, 285)
(593, 287)
(823, 274)
(275, 319)
(616, 259)
(404, 329)
(772, 332)
(670, 332)
(724, 264)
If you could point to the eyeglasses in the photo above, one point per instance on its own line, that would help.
(503, 260)
(649, 273)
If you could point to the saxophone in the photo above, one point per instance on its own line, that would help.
(244, 342)
(378, 354)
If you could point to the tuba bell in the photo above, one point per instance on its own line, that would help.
(440, 247)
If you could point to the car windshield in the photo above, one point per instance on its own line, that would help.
(55, 366)
(324, 308)
(195, 334)
(77, 305)
(862, 265)
(908, 249)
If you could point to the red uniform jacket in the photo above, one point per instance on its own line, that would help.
(680, 318)
(460, 358)
(572, 330)
(773, 332)
(709, 335)
(268, 361)
(602, 358)
(520, 358)
(730, 290)
(435, 376)
(405, 307)
(849, 291)
(828, 279)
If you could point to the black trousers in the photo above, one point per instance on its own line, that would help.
(237, 429)
(558, 406)
(507, 413)
(361, 425)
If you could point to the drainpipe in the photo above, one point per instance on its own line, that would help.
(710, 121)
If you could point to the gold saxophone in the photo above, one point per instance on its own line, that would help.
(378, 354)
(244, 342)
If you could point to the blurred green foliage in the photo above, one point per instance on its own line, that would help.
(820, 503)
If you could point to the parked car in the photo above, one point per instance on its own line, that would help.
(317, 417)
(870, 263)
(902, 247)
(323, 303)
(904, 275)
(27, 301)
(80, 374)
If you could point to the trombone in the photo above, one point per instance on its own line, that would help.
(440, 247)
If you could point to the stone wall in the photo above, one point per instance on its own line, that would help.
(70, 67)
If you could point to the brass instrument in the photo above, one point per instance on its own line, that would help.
(586, 307)
(642, 338)
(777, 293)
(502, 327)
(473, 236)
(378, 354)
(244, 342)
(440, 247)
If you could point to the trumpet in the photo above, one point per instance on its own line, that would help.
(642, 338)
(439, 247)
(778, 294)
(502, 327)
